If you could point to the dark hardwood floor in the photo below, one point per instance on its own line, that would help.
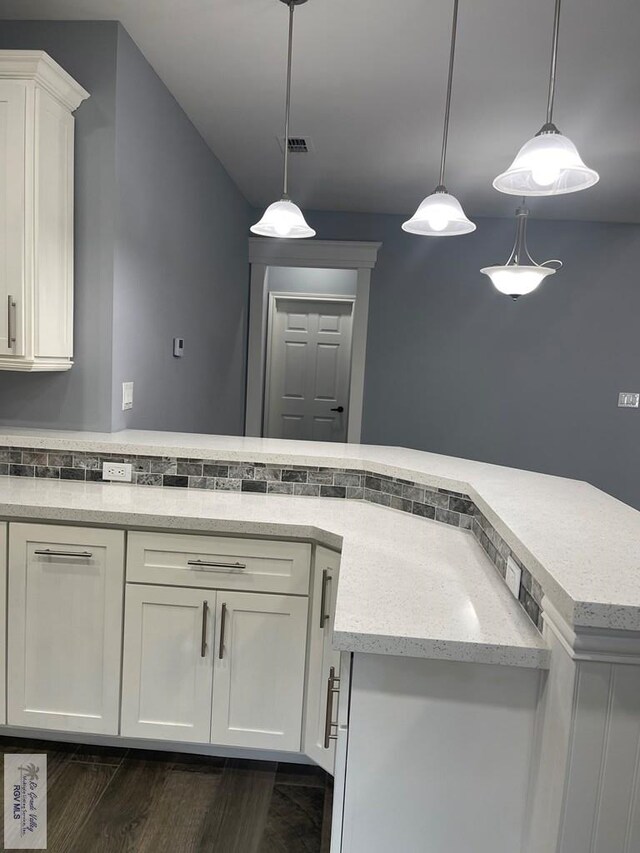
(111, 800)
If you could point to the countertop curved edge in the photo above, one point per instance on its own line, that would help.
(580, 544)
(526, 648)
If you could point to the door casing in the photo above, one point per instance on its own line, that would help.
(321, 254)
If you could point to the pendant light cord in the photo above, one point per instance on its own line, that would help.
(554, 63)
(447, 111)
(285, 191)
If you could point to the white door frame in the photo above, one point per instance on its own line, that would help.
(275, 296)
(324, 254)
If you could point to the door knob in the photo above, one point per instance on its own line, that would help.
(338, 409)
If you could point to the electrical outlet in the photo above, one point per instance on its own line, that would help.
(628, 400)
(513, 577)
(118, 471)
(127, 396)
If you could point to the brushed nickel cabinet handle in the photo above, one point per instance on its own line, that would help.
(223, 619)
(332, 690)
(207, 566)
(203, 642)
(11, 331)
(47, 552)
(326, 579)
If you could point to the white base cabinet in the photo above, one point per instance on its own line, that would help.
(167, 667)
(213, 652)
(3, 622)
(258, 681)
(65, 627)
(438, 756)
(324, 663)
(214, 667)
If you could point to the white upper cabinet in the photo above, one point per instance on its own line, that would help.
(37, 98)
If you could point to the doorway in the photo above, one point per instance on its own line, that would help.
(308, 370)
(275, 271)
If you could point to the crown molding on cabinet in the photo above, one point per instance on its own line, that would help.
(38, 66)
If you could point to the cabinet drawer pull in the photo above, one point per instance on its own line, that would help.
(208, 566)
(333, 689)
(223, 619)
(324, 616)
(203, 644)
(47, 552)
(11, 326)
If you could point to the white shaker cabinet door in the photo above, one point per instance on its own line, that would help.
(3, 622)
(12, 218)
(65, 627)
(319, 736)
(167, 671)
(259, 670)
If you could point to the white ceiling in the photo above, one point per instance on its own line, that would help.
(369, 84)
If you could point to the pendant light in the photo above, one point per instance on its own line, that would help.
(548, 164)
(521, 274)
(441, 214)
(284, 218)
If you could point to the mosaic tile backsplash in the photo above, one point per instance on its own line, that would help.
(440, 505)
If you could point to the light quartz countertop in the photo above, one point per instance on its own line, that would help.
(407, 586)
(581, 544)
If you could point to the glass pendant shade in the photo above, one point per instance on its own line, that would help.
(283, 219)
(439, 215)
(521, 274)
(515, 281)
(548, 164)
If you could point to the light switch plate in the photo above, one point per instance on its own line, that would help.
(513, 577)
(127, 396)
(628, 400)
(178, 347)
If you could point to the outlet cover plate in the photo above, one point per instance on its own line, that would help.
(121, 472)
(513, 577)
(628, 400)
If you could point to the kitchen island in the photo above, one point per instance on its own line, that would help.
(450, 727)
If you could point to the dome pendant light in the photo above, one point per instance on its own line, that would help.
(548, 164)
(441, 214)
(284, 218)
(521, 274)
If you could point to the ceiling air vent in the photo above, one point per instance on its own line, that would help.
(297, 144)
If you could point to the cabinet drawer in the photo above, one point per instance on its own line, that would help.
(219, 562)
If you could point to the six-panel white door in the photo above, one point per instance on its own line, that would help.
(259, 670)
(309, 369)
(167, 669)
(321, 713)
(65, 627)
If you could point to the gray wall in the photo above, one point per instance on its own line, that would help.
(81, 397)
(160, 251)
(454, 367)
(309, 280)
(181, 265)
